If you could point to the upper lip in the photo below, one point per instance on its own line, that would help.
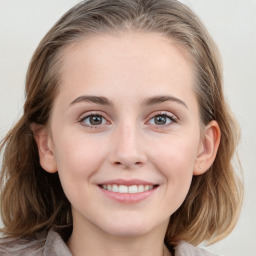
(127, 182)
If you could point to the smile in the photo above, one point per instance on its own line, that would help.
(127, 189)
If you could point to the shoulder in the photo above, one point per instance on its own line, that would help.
(185, 249)
(44, 244)
(23, 246)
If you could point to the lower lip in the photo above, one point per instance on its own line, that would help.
(128, 197)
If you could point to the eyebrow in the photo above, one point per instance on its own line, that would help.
(163, 98)
(94, 99)
(148, 101)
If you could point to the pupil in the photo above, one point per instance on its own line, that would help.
(95, 120)
(160, 120)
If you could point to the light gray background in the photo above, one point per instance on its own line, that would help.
(232, 23)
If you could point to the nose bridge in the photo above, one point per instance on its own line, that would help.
(128, 147)
(128, 140)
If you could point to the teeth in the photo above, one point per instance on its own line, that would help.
(141, 188)
(133, 189)
(115, 188)
(127, 189)
(123, 189)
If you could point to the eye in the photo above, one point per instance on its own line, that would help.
(162, 119)
(93, 120)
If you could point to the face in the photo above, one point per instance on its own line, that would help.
(124, 132)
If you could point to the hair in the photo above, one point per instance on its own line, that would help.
(33, 200)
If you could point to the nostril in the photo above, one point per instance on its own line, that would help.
(127, 165)
(126, 160)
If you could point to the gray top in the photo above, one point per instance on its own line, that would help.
(52, 244)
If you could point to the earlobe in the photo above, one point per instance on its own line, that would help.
(45, 148)
(208, 148)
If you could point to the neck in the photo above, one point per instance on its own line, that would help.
(92, 241)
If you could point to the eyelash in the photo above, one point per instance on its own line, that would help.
(81, 120)
(173, 119)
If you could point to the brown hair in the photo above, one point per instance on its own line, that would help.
(33, 200)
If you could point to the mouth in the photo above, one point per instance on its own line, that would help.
(128, 191)
(131, 189)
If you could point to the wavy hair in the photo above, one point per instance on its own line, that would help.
(32, 200)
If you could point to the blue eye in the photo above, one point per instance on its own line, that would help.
(162, 119)
(94, 120)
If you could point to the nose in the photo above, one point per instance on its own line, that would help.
(127, 150)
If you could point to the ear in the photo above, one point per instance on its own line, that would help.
(45, 147)
(208, 148)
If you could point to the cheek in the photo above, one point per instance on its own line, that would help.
(177, 155)
(76, 153)
(176, 161)
(78, 158)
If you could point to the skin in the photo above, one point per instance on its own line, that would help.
(127, 70)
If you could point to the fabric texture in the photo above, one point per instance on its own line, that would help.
(186, 249)
(52, 244)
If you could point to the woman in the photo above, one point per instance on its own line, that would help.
(126, 140)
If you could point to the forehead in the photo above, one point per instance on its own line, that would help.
(146, 62)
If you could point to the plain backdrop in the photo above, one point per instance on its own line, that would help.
(232, 24)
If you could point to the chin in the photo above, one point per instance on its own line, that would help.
(128, 231)
(131, 228)
(126, 228)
